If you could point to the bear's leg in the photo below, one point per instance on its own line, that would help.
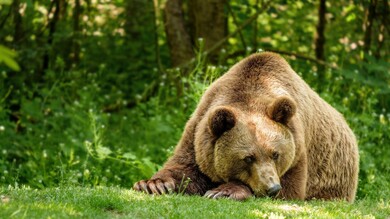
(176, 178)
(180, 174)
(232, 190)
(294, 182)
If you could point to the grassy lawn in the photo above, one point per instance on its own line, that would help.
(109, 202)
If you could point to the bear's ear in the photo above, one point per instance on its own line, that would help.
(221, 121)
(281, 110)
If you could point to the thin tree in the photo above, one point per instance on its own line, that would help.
(55, 5)
(320, 36)
(17, 20)
(179, 40)
(368, 25)
(383, 27)
(320, 41)
(208, 21)
(76, 32)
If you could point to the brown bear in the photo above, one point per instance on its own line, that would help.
(260, 129)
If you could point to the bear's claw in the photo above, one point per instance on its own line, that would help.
(230, 190)
(155, 186)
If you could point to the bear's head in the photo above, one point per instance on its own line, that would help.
(255, 148)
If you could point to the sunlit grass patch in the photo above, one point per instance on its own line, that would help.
(114, 202)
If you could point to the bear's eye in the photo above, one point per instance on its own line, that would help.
(275, 155)
(249, 159)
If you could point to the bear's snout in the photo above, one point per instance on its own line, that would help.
(274, 190)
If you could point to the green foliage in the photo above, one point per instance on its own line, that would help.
(7, 57)
(5, 2)
(52, 135)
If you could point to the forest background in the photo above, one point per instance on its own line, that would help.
(97, 92)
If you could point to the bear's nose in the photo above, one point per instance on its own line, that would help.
(273, 191)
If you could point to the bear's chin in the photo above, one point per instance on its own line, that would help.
(263, 195)
(260, 195)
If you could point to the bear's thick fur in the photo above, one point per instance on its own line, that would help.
(260, 129)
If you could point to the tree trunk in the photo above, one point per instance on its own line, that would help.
(319, 42)
(320, 36)
(52, 29)
(63, 4)
(383, 22)
(138, 14)
(208, 21)
(368, 24)
(76, 33)
(255, 28)
(17, 20)
(4, 20)
(179, 40)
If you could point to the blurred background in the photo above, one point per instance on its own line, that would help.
(97, 92)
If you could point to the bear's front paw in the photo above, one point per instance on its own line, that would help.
(155, 186)
(230, 190)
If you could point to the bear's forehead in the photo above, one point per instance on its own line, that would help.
(263, 128)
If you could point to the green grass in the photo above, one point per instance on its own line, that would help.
(113, 202)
